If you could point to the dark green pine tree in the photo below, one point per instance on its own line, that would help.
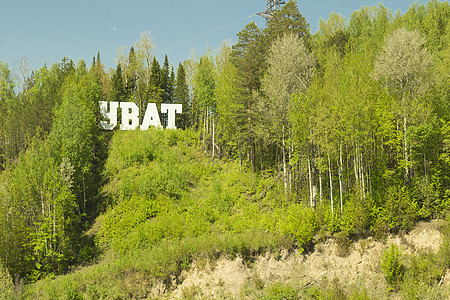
(93, 64)
(287, 19)
(99, 63)
(155, 91)
(171, 87)
(249, 57)
(118, 91)
(165, 77)
(131, 74)
(181, 96)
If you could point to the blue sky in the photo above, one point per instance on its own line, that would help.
(44, 31)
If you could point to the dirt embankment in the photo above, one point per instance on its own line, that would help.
(237, 279)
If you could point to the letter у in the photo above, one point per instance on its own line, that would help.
(111, 115)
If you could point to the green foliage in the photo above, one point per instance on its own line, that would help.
(399, 210)
(358, 217)
(6, 284)
(343, 244)
(287, 20)
(426, 268)
(298, 223)
(181, 94)
(279, 291)
(444, 249)
(392, 266)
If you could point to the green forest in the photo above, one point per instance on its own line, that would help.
(286, 138)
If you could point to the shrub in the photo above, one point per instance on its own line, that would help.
(357, 215)
(299, 223)
(400, 209)
(6, 284)
(444, 249)
(280, 291)
(343, 244)
(392, 266)
(426, 268)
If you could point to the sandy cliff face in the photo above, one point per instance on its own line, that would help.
(238, 279)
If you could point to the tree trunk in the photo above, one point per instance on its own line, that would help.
(284, 164)
(355, 171)
(405, 149)
(361, 175)
(320, 187)
(213, 137)
(313, 176)
(204, 132)
(331, 187)
(310, 182)
(340, 181)
(290, 162)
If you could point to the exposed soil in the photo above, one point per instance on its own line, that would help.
(237, 279)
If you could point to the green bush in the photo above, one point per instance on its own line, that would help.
(444, 249)
(299, 223)
(6, 284)
(280, 291)
(392, 266)
(358, 216)
(399, 211)
(343, 244)
(426, 268)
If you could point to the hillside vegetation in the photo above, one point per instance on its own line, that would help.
(170, 205)
(286, 139)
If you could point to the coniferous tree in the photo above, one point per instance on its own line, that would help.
(155, 84)
(171, 86)
(181, 96)
(118, 89)
(249, 57)
(132, 74)
(165, 80)
(287, 19)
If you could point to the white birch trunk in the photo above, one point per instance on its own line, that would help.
(320, 187)
(310, 183)
(213, 137)
(340, 181)
(284, 165)
(331, 186)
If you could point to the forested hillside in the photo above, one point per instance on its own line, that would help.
(286, 137)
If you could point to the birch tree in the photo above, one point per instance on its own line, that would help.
(404, 67)
(291, 68)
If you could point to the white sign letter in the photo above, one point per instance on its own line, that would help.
(171, 109)
(130, 116)
(111, 115)
(151, 117)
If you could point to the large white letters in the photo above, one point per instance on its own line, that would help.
(171, 109)
(151, 117)
(111, 115)
(130, 115)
